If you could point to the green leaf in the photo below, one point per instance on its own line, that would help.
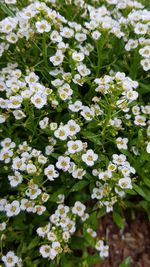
(93, 137)
(144, 88)
(126, 262)
(79, 185)
(142, 192)
(118, 219)
(6, 10)
(34, 243)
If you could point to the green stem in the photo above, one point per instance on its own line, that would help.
(44, 48)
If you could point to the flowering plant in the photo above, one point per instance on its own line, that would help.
(75, 126)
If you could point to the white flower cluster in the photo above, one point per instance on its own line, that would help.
(120, 170)
(61, 227)
(68, 123)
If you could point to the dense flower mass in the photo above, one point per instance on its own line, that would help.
(75, 124)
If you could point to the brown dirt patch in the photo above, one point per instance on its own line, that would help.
(133, 240)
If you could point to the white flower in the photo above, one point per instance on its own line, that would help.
(77, 56)
(58, 58)
(51, 173)
(42, 159)
(10, 259)
(15, 102)
(31, 168)
(43, 26)
(39, 209)
(105, 175)
(55, 37)
(61, 133)
(131, 95)
(76, 106)
(97, 193)
(19, 114)
(140, 120)
(87, 113)
(15, 179)
(122, 143)
(38, 100)
(104, 251)
(125, 183)
(96, 35)
(99, 245)
(3, 203)
(145, 64)
(62, 211)
(45, 251)
(73, 128)
(12, 38)
(78, 173)
(78, 208)
(140, 28)
(43, 123)
(80, 37)
(119, 159)
(12, 209)
(2, 226)
(33, 191)
(89, 157)
(83, 70)
(148, 147)
(145, 51)
(63, 163)
(74, 146)
(45, 197)
(31, 78)
(91, 232)
(67, 32)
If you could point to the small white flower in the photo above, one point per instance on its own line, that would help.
(2, 226)
(104, 251)
(78, 208)
(10, 259)
(87, 113)
(15, 179)
(74, 146)
(119, 159)
(89, 157)
(43, 26)
(31, 168)
(96, 35)
(67, 32)
(63, 163)
(122, 143)
(12, 209)
(57, 59)
(61, 133)
(39, 100)
(72, 127)
(19, 114)
(76, 106)
(45, 251)
(77, 56)
(140, 120)
(125, 183)
(145, 64)
(51, 173)
(83, 70)
(148, 148)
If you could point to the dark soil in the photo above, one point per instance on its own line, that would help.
(133, 241)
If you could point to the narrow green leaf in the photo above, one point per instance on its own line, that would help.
(126, 262)
(79, 185)
(118, 219)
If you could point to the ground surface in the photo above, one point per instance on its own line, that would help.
(133, 241)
